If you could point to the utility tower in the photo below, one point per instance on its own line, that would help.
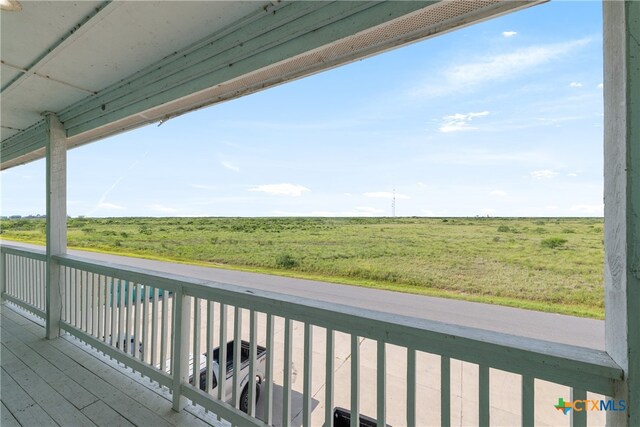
(393, 204)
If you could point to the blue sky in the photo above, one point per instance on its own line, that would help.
(503, 118)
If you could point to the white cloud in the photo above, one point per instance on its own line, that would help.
(601, 85)
(284, 189)
(201, 186)
(230, 166)
(487, 211)
(496, 67)
(498, 193)
(460, 122)
(588, 209)
(421, 184)
(572, 174)
(160, 208)
(575, 84)
(385, 195)
(543, 174)
(107, 205)
(509, 33)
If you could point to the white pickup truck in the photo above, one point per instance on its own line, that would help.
(243, 372)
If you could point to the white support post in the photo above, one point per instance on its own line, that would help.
(180, 362)
(622, 201)
(56, 158)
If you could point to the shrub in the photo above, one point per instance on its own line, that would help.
(145, 230)
(553, 242)
(503, 229)
(286, 261)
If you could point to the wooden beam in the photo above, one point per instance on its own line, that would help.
(622, 201)
(56, 159)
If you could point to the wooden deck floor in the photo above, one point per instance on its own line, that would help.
(64, 382)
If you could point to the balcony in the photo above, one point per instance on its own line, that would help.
(397, 370)
(117, 343)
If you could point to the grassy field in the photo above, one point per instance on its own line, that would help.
(551, 264)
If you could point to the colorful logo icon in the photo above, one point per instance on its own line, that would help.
(563, 406)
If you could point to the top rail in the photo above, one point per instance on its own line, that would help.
(36, 254)
(579, 367)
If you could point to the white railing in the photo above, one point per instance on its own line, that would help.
(396, 369)
(23, 278)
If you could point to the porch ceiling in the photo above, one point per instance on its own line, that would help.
(104, 67)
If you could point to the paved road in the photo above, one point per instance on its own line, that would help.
(546, 326)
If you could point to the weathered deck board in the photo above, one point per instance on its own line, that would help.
(78, 396)
(103, 416)
(7, 419)
(76, 384)
(54, 404)
(25, 410)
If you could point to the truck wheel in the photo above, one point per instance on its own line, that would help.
(244, 398)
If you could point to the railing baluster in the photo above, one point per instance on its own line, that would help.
(25, 289)
(72, 295)
(355, 381)
(195, 371)
(268, 387)
(129, 304)
(121, 311)
(14, 266)
(382, 383)
(237, 352)
(253, 338)
(145, 324)
(94, 304)
(4, 286)
(14, 274)
(328, 392)
(29, 283)
(43, 288)
(222, 355)
(36, 295)
(84, 284)
(528, 400)
(101, 307)
(78, 301)
(154, 327)
(286, 396)
(578, 418)
(483, 395)
(164, 329)
(6, 273)
(78, 297)
(307, 392)
(445, 391)
(136, 325)
(114, 316)
(210, 326)
(411, 387)
(67, 295)
(108, 303)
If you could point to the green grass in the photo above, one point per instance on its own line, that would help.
(551, 264)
